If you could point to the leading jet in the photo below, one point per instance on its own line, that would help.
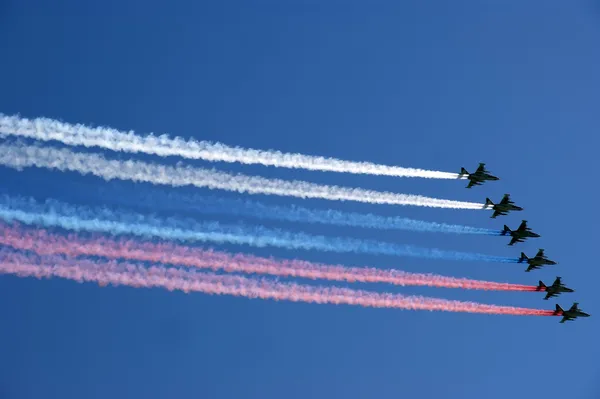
(505, 206)
(478, 177)
(571, 314)
(520, 234)
(537, 261)
(554, 290)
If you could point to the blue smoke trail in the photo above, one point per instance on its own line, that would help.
(56, 214)
(149, 198)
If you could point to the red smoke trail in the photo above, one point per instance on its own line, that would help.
(45, 243)
(113, 272)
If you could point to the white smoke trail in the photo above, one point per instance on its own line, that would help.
(20, 156)
(47, 129)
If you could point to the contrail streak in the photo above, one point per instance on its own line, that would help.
(22, 156)
(47, 130)
(173, 201)
(44, 243)
(132, 275)
(78, 218)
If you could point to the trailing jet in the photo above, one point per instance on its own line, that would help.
(537, 261)
(478, 177)
(505, 206)
(571, 314)
(520, 234)
(555, 289)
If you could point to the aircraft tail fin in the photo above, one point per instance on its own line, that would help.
(559, 310)
(489, 202)
(541, 285)
(463, 171)
(523, 256)
(506, 230)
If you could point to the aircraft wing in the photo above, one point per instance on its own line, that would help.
(522, 226)
(472, 183)
(481, 168)
(496, 213)
(565, 318)
(540, 254)
(574, 307)
(557, 282)
(505, 200)
(513, 240)
(550, 295)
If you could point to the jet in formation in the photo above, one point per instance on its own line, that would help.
(478, 177)
(571, 314)
(537, 261)
(505, 206)
(555, 289)
(520, 234)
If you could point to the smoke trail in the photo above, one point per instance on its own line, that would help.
(111, 139)
(44, 243)
(173, 201)
(54, 213)
(190, 281)
(21, 156)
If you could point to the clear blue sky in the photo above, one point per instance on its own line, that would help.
(433, 85)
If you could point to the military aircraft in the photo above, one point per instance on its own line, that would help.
(555, 289)
(505, 206)
(478, 177)
(571, 314)
(537, 261)
(520, 234)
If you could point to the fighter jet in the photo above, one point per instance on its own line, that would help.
(478, 177)
(505, 206)
(571, 314)
(537, 261)
(520, 234)
(554, 290)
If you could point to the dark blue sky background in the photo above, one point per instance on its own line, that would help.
(434, 85)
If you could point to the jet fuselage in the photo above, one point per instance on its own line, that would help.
(574, 314)
(554, 290)
(524, 234)
(538, 261)
(506, 207)
(481, 177)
